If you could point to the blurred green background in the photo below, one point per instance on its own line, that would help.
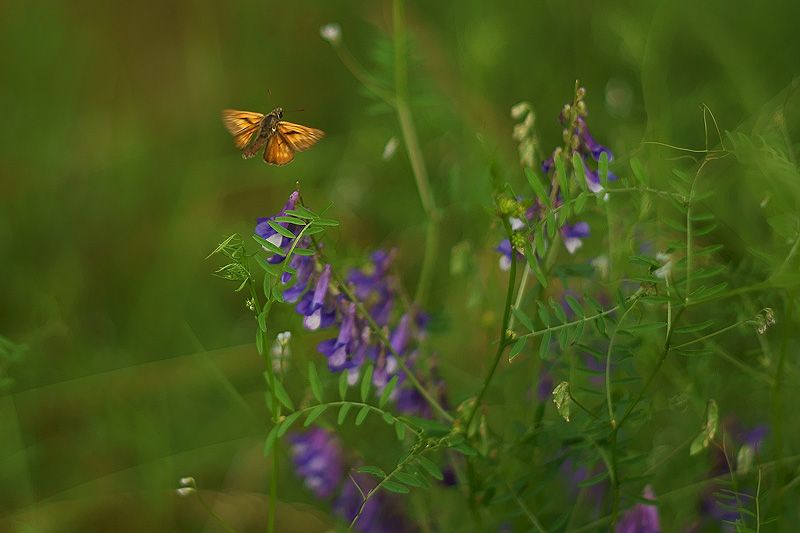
(118, 178)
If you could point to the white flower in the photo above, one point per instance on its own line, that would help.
(600, 263)
(185, 481)
(331, 32)
(284, 338)
(520, 109)
(666, 268)
(185, 491)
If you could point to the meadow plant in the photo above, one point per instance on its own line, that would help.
(613, 284)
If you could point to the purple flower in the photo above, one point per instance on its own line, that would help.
(347, 349)
(373, 278)
(317, 458)
(266, 232)
(589, 144)
(313, 305)
(505, 258)
(572, 235)
(642, 517)
(304, 266)
(593, 178)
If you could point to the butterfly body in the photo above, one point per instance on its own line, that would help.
(252, 131)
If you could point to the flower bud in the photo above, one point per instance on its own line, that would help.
(331, 32)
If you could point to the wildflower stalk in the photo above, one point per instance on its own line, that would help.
(501, 345)
(276, 414)
(378, 332)
(411, 141)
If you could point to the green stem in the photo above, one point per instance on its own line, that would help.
(270, 373)
(520, 293)
(501, 345)
(652, 375)
(528, 513)
(569, 324)
(608, 365)
(414, 151)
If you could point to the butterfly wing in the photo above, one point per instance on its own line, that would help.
(279, 151)
(299, 137)
(242, 125)
(253, 148)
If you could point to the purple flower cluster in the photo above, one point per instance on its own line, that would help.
(317, 458)
(308, 284)
(582, 143)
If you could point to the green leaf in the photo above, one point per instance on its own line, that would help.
(602, 169)
(544, 316)
(580, 202)
(362, 414)
(400, 431)
(523, 318)
(562, 400)
(638, 171)
(538, 241)
(519, 345)
(536, 185)
(280, 230)
(430, 467)
(259, 342)
(576, 307)
(466, 449)
(343, 410)
(287, 423)
(303, 251)
(343, 385)
(268, 245)
(313, 379)
(389, 419)
(695, 327)
(561, 176)
(537, 271)
(393, 486)
(387, 391)
(558, 310)
(280, 393)
(544, 344)
(594, 480)
(372, 470)
(325, 222)
(579, 170)
(366, 381)
(290, 220)
(269, 442)
(552, 225)
(301, 212)
(313, 230)
(314, 414)
(646, 326)
(408, 479)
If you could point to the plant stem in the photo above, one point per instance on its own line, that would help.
(411, 141)
(501, 345)
(276, 413)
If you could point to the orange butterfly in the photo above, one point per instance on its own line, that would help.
(251, 131)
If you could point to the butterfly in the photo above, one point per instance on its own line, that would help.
(251, 131)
